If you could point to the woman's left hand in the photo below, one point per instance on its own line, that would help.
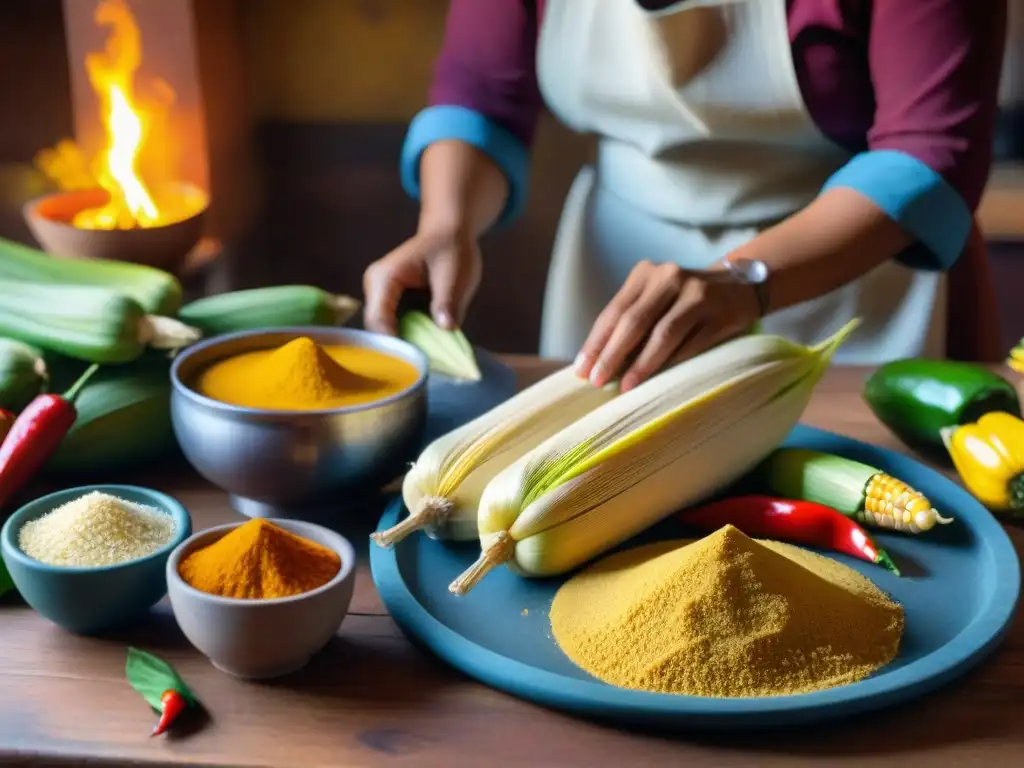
(660, 310)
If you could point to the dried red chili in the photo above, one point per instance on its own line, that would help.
(160, 685)
(35, 435)
(172, 704)
(801, 522)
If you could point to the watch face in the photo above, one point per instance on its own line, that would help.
(751, 270)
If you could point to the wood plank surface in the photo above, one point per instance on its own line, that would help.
(373, 698)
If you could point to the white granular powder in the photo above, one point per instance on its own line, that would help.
(96, 529)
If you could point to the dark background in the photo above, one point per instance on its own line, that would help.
(306, 106)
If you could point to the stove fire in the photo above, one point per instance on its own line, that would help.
(128, 110)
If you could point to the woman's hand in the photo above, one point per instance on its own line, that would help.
(663, 309)
(446, 263)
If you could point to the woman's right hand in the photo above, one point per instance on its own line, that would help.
(446, 263)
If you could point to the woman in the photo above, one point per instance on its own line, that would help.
(800, 161)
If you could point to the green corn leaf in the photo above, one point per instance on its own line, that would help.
(595, 451)
(449, 352)
(152, 677)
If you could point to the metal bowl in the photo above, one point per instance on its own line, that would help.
(288, 463)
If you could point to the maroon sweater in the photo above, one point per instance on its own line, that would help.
(916, 76)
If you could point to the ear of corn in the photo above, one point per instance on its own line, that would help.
(676, 439)
(449, 352)
(858, 490)
(443, 488)
(275, 306)
(98, 325)
(156, 291)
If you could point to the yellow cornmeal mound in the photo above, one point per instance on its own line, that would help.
(725, 616)
(302, 376)
(301, 367)
(96, 529)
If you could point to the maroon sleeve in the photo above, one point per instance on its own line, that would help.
(488, 63)
(935, 65)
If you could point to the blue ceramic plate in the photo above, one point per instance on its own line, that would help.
(959, 590)
(452, 403)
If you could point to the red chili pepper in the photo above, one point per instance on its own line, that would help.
(172, 704)
(802, 522)
(35, 435)
(6, 422)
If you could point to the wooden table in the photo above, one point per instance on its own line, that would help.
(372, 698)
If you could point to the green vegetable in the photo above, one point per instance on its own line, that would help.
(124, 419)
(273, 307)
(916, 398)
(94, 324)
(156, 291)
(6, 582)
(23, 374)
(151, 676)
(449, 352)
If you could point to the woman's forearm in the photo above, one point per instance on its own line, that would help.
(461, 189)
(838, 238)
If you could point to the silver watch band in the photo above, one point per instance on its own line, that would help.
(754, 273)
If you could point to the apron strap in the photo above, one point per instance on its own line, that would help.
(973, 326)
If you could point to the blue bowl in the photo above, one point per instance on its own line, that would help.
(95, 599)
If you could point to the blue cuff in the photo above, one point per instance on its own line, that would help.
(915, 197)
(451, 122)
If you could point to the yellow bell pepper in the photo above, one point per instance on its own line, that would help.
(1015, 359)
(989, 455)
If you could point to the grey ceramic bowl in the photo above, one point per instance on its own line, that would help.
(276, 463)
(92, 600)
(258, 639)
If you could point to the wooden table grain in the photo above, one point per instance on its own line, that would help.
(372, 698)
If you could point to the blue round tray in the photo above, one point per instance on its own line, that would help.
(452, 403)
(959, 589)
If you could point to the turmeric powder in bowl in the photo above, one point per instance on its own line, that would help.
(260, 561)
(304, 376)
(725, 616)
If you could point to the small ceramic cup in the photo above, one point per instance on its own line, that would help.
(259, 639)
(96, 599)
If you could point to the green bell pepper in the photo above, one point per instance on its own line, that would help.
(916, 398)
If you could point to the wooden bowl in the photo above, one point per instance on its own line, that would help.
(49, 219)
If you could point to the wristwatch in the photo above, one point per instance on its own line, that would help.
(752, 272)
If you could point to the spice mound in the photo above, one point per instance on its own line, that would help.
(725, 616)
(259, 560)
(302, 376)
(94, 530)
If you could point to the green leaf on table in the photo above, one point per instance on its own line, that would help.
(152, 677)
(449, 352)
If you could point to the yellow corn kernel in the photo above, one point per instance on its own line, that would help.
(891, 503)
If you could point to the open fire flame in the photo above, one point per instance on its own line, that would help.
(127, 119)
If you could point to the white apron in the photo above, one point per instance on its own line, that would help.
(704, 141)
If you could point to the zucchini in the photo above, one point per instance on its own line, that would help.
(89, 323)
(273, 307)
(124, 419)
(156, 291)
(23, 374)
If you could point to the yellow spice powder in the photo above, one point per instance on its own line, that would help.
(725, 616)
(260, 560)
